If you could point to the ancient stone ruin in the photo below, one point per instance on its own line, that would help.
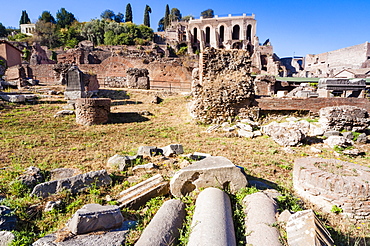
(92, 111)
(138, 78)
(225, 87)
(329, 182)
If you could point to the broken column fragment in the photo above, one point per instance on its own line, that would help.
(163, 229)
(92, 111)
(214, 171)
(260, 216)
(212, 222)
(139, 194)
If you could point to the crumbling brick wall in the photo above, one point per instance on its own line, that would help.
(225, 87)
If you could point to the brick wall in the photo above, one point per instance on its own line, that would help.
(44, 73)
(309, 104)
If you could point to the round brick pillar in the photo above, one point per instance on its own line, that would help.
(92, 111)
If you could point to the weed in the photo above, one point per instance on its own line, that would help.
(335, 209)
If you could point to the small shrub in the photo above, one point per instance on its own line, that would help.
(337, 210)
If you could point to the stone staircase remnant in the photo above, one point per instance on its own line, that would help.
(213, 171)
(163, 229)
(139, 194)
(212, 222)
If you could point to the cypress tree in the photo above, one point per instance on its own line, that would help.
(146, 16)
(24, 18)
(128, 13)
(167, 17)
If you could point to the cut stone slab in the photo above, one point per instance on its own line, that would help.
(63, 173)
(6, 237)
(284, 216)
(214, 171)
(115, 237)
(95, 217)
(172, 149)
(260, 216)
(120, 161)
(245, 134)
(212, 222)
(339, 141)
(7, 220)
(13, 98)
(74, 184)
(64, 113)
(304, 228)
(147, 151)
(139, 194)
(145, 167)
(163, 229)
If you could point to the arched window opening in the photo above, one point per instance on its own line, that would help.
(249, 32)
(208, 35)
(195, 35)
(222, 34)
(236, 30)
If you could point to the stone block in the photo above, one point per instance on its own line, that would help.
(74, 184)
(31, 177)
(92, 111)
(260, 216)
(212, 222)
(13, 98)
(94, 217)
(6, 237)
(120, 161)
(339, 141)
(149, 167)
(139, 194)
(214, 171)
(172, 149)
(163, 229)
(147, 151)
(63, 173)
(7, 220)
(304, 228)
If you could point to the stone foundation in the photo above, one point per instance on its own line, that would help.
(92, 111)
(329, 182)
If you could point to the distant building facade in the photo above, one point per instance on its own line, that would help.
(28, 29)
(229, 32)
(349, 62)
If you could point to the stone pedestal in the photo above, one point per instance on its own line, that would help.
(92, 111)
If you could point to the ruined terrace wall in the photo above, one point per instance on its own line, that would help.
(332, 62)
(309, 104)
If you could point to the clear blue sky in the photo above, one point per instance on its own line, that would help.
(293, 27)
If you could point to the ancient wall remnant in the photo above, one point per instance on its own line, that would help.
(137, 78)
(92, 111)
(225, 88)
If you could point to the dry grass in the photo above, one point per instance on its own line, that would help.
(30, 135)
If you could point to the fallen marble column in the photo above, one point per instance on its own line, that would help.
(163, 229)
(260, 216)
(212, 222)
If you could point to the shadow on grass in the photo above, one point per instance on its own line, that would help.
(126, 117)
(117, 103)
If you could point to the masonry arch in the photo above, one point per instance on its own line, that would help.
(236, 32)
(222, 33)
(249, 32)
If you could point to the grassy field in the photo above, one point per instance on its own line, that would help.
(31, 136)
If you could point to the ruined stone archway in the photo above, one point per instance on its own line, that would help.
(195, 35)
(222, 34)
(236, 32)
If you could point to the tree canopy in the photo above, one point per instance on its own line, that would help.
(3, 31)
(128, 13)
(161, 25)
(146, 16)
(47, 17)
(110, 15)
(175, 14)
(208, 13)
(24, 18)
(64, 18)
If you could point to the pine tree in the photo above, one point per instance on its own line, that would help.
(146, 16)
(167, 17)
(128, 13)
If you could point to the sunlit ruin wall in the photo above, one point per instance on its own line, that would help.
(224, 88)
